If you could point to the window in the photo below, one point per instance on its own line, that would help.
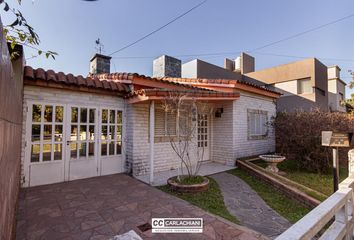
(111, 132)
(257, 124)
(304, 86)
(166, 123)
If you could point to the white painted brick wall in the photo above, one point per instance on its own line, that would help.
(242, 146)
(51, 95)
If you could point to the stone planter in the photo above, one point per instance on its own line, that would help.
(272, 161)
(194, 188)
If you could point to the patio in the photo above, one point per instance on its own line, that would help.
(207, 168)
(101, 207)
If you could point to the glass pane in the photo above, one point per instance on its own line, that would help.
(104, 149)
(59, 111)
(35, 153)
(104, 115)
(73, 152)
(58, 152)
(119, 147)
(112, 116)
(47, 133)
(36, 113)
(83, 115)
(111, 148)
(119, 133)
(111, 132)
(48, 114)
(92, 132)
(91, 150)
(82, 150)
(36, 133)
(73, 134)
(74, 114)
(92, 115)
(58, 135)
(119, 117)
(83, 133)
(104, 133)
(47, 152)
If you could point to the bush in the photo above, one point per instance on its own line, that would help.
(298, 137)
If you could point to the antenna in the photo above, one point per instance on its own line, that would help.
(99, 46)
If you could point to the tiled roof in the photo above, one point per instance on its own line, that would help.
(193, 93)
(39, 74)
(123, 77)
(215, 81)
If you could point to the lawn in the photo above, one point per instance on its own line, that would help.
(322, 183)
(286, 207)
(210, 200)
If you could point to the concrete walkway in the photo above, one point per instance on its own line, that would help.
(245, 204)
(207, 168)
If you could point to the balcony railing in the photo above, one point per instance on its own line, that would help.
(331, 220)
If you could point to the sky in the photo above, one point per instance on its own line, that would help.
(70, 27)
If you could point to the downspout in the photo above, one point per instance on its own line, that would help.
(152, 140)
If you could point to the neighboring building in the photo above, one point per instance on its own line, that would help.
(336, 90)
(77, 127)
(304, 84)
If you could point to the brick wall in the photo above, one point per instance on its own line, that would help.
(244, 147)
(50, 95)
(10, 138)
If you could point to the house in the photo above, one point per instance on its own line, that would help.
(78, 127)
(304, 84)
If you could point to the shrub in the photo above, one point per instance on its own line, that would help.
(298, 137)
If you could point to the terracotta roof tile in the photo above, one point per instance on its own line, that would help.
(33, 75)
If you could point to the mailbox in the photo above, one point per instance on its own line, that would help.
(336, 139)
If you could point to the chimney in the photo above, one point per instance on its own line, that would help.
(166, 66)
(244, 64)
(100, 64)
(333, 72)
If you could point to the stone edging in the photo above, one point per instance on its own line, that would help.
(290, 191)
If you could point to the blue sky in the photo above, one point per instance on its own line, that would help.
(70, 27)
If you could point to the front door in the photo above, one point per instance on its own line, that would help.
(81, 142)
(203, 137)
(67, 142)
(44, 144)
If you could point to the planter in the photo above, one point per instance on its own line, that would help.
(194, 188)
(272, 161)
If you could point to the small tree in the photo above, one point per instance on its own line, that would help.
(184, 137)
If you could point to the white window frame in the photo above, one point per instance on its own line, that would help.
(299, 89)
(108, 124)
(259, 125)
(165, 132)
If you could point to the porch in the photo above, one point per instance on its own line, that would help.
(207, 168)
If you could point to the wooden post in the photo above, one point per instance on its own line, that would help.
(152, 140)
(335, 169)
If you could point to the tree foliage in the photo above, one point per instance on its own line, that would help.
(298, 137)
(19, 32)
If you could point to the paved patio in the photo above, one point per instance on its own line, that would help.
(208, 168)
(101, 207)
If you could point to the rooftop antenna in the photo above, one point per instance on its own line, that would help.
(99, 46)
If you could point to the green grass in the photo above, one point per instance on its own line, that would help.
(288, 208)
(211, 200)
(322, 183)
(190, 180)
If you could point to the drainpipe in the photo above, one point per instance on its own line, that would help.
(152, 140)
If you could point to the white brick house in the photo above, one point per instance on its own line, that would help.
(76, 127)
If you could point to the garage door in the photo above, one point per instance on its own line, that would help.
(67, 142)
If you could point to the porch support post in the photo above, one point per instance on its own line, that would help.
(152, 140)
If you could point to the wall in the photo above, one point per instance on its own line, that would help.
(242, 146)
(10, 138)
(52, 95)
(336, 86)
(200, 69)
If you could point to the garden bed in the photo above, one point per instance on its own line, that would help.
(322, 183)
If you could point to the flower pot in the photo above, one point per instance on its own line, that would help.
(193, 188)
